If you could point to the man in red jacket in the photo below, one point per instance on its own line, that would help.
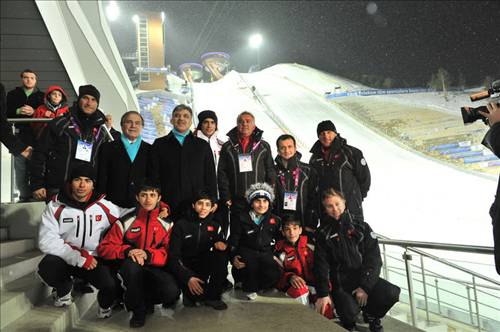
(296, 258)
(141, 239)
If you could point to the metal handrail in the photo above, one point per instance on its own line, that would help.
(28, 120)
(410, 246)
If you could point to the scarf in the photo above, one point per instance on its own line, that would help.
(180, 136)
(131, 148)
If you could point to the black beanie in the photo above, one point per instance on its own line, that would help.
(85, 170)
(206, 115)
(89, 90)
(325, 125)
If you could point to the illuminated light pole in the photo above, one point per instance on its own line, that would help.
(112, 11)
(255, 41)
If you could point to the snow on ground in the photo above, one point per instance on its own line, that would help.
(411, 197)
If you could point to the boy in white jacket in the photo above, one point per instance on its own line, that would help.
(72, 226)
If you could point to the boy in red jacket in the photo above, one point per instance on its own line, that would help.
(141, 239)
(296, 259)
(55, 104)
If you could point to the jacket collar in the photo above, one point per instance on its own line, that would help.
(292, 162)
(336, 145)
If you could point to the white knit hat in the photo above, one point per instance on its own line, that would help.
(260, 190)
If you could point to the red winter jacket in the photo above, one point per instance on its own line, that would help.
(43, 111)
(139, 229)
(295, 260)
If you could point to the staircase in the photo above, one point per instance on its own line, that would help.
(26, 302)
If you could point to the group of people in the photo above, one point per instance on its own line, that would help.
(145, 223)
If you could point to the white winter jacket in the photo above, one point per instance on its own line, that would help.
(73, 233)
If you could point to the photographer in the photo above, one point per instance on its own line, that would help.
(492, 141)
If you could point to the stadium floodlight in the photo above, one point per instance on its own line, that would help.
(162, 17)
(255, 40)
(135, 18)
(112, 11)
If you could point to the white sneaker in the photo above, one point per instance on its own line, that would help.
(104, 313)
(62, 301)
(251, 296)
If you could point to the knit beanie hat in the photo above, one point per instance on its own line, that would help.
(89, 90)
(325, 125)
(260, 190)
(84, 169)
(206, 115)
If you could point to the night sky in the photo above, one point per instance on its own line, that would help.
(406, 41)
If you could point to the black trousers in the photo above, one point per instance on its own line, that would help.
(260, 272)
(381, 298)
(495, 220)
(211, 267)
(146, 284)
(57, 273)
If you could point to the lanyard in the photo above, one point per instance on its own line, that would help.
(295, 174)
(95, 132)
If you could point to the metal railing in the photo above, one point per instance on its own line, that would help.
(444, 286)
(15, 121)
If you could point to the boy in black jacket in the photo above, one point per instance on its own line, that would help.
(252, 242)
(198, 257)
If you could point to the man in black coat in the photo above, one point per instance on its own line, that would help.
(296, 184)
(13, 143)
(245, 159)
(492, 141)
(340, 166)
(22, 103)
(70, 140)
(182, 163)
(124, 163)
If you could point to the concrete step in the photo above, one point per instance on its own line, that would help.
(19, 296)
(4, 233)
(15, 247)
(15, 267)
(46, 317)
(24, 217)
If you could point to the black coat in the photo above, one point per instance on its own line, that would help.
(307, 190)
(54, 154)
(492, 141)
(14, 144)
(17, 98)
(345, 170)
(345, 249)
(246, 234)
(191, 237)
(182, 171)
(118, 176)
(232, 183)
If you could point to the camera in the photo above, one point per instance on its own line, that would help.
(471, 114)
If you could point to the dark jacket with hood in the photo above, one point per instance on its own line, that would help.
(13, 143)
(247, 235)
(183, 170)
(343, 168)
(118, 177)
(346, 249)
(192, 237)
(307, 189)
(54, 154)
(17, 98)
(492, 141)
(232, 182)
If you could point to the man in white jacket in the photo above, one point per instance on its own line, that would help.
(207, 130)
(71, 228)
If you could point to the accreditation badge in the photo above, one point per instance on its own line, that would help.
(83, 151)
(245, 162)
(290, 200)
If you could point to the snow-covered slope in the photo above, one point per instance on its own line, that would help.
(411, 197)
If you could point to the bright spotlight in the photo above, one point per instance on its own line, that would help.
(255, 40)
(135, 18)
(112, 11)
(162, 17)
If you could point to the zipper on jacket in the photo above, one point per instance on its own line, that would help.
(91, 221)
(259, 237)
(77, 225)
(198, 237)
(84, 230)
(300, 258)
(147, 225)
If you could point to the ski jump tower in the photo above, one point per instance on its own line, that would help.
(150, 50)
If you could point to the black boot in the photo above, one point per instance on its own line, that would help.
(375, 324)
(216, 304)
(138, 318)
